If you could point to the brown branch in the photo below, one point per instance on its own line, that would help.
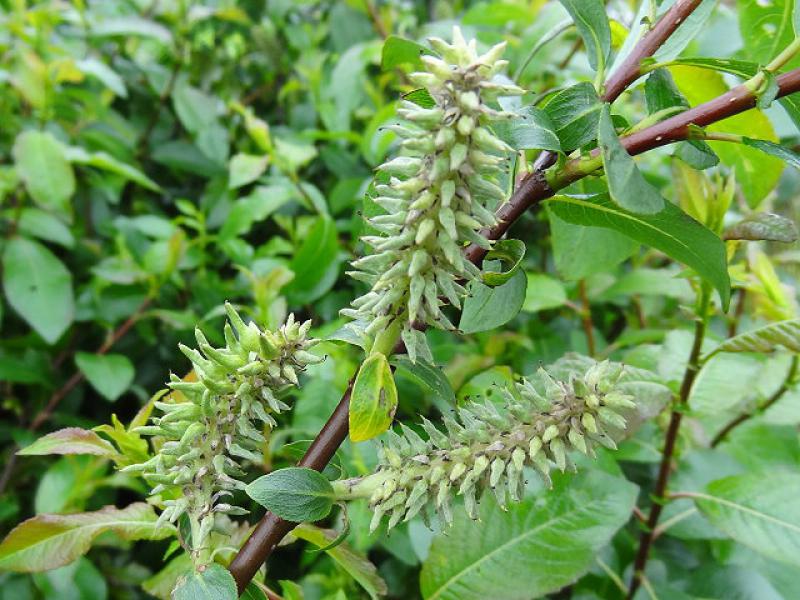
(586, 317)
(631, 68)
(787, 384)
(532, 189)
(659, 493)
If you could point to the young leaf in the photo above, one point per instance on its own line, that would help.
(214, 582)
(510, 251)
(71, 440)
(697, 154)
(373, 400)
(765, 339)
(48, 176)
(51, 541)
(39, 287)
(592, 23)
(763, 226)
(109, 374)
(536, 547)
(759, 510)
(782, 152)
(741, 68)
(489, 307)
(400, 51)
(574, 112)
(672, 231)
(296, 494)
(661, 93)
(626, 185)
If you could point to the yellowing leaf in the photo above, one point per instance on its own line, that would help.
(373, 400)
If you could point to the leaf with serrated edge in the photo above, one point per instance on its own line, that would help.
(47, 542)
(765, 339)
(759, 510)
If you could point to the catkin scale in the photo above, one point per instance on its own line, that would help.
(220, 422)
(441, 191)
(541, 422)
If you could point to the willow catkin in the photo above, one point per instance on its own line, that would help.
(487, 447)
(441, 191)
(238, 389)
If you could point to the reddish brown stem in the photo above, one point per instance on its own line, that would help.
(671, 438)
(631, 68)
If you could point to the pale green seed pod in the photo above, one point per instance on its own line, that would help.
(219, 423)
(449, 164)
(544, 420)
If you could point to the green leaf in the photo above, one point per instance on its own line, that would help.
(626, 185)
(687, 31)
(782, 152)
(428, 376)
(400, 51)
(661, 92)
(592, 23)
(35, 222)
(358, 566)
(766, 27)
(538, 546)
(41, 164)
(103, 160)
(758, 510)
(508, 251)
(486, 307)
(296, 494)
(672, 231)
(373, 400)
(109, 374)
(697, 154)
(214, 582)
(575, 113)
(195, 109)
(71, 440)
(531, 130)
(316, 263)
(769, 338)
(245, 168)
(763, 226)
(39, 287)
(580, 251)
(252, 209)
(741, 68)
(50, 541)
(543, 292)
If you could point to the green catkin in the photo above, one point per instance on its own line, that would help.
(237, 392)
(542, 422)
(441, 192)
